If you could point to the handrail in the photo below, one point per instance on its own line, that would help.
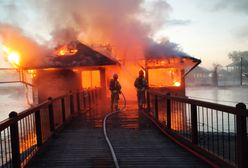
(216, 106)
(24, 133)
(216, 131)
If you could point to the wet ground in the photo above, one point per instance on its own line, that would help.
(136, 141)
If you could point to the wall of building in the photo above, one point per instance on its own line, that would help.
(56, 82)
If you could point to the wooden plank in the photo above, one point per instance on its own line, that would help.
(136, 141)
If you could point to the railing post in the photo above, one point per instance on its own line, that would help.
(96, 94)
(241, 136)
(156, 108)
(194, 124)
(71, 103)
(78, 102)
(38, 128)
(93, 96)
(51, 117)
(63, 109)
(89, 97)
(168, 110)
(84, 99)
(148, 100)
(16, 161)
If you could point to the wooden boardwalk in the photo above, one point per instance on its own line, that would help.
(136, 141)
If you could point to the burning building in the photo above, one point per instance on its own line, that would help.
(70, 67)
(167, 68)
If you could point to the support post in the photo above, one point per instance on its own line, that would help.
(63, 109)
(168, 111)
(156, 108)
(14, 134)
(78, 102)
(241, 136)
(71, 103)
(194, 124)
(84, 99)
(51, 116)
(148, 100)
(89, 97)
(38, 128)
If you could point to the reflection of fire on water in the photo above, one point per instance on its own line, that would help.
(28, 142)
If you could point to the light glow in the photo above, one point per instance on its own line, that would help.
(177, 84)
(12, 56)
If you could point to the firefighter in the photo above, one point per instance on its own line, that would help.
(115, 88)
(141, 86)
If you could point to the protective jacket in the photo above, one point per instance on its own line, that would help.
(140, 84)
(114, 86)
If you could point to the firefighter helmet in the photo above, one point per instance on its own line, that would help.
(141, 73)
(115, 76)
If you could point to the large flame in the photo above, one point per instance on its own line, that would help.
(164, 77)
(12, 56)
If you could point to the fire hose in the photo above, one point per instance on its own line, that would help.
(105, 132)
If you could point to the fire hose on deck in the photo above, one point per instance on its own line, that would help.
(105, 131)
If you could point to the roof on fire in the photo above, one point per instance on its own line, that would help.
(85, 57)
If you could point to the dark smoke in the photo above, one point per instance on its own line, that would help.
(125, 25)
(163, 49)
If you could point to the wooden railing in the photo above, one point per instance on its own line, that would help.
(216, 131)
(23, 134)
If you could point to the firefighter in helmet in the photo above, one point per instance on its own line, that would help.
(141, 86)
(115, 88)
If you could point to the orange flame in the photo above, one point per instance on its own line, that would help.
(12, 56)
(32, 73)
(65, 50)
(177, 84)
(164, 77)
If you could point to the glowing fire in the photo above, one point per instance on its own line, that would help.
(32, 73)
(12, 56)
(164, 77)
(66, 50)
(90, 79)
(177, 84)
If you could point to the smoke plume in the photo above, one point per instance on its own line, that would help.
(30, 51)
(125, 25)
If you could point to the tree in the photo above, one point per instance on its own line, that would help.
(235, 56)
